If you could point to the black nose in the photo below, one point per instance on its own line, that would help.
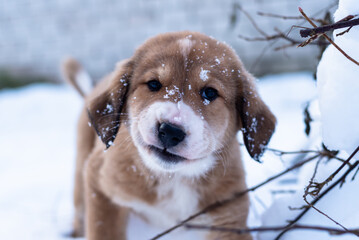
(170, 135)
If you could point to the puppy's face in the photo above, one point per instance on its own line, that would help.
(186, 96)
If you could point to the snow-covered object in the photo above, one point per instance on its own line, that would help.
(339, 203)
(338, 85)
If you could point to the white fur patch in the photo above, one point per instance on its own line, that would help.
(185, 46)
(188, 168)
(176, 201)
(196, 148)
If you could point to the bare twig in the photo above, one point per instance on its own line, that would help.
(281, 153)
(319, 30)
(252, 21)
(322, 44)
(312, 183)
(326, 215)
(324, 153)
(279, 35)
(320, 196)
(355, 174)
(260, 56)
(341, 166)
(321, 21)
(318, 186)
(334, 231)
(328, 38)
(234, 197)
(290, 191)
(345, 31)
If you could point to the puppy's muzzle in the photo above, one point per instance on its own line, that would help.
(170, 135)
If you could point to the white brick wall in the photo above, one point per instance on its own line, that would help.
(36, 34)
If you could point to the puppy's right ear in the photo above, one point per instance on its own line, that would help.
(258, 122)
(106, 109)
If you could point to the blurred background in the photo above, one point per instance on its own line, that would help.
(36, 35)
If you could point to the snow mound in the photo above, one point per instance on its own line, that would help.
(338, 86)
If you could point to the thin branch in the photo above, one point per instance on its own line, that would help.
(324, 153)
(285, 46)
(319, 30)
(258, 39)
(326, 215)
(252, 21)
(306, 209)
(312, 183)
(260, 56)
(355, 174)
(266, 48)
(235, 196)
(345, 31)
(280, 152)
(318, 186)
(280, 35)
(334, 231)
(321, 21)
(289, 191)
(328, 38)
(342, 166)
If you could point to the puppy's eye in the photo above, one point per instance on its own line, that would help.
(209, 93)
(154, 85)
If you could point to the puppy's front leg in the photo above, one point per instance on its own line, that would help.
(232, 215)
(104, 220)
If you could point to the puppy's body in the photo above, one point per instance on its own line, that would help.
(163, 179)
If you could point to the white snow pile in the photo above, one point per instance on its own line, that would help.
(338, 84)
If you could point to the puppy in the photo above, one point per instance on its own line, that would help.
(166, 121)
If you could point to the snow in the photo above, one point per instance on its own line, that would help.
(206, 102)
(38, 134)
(170, 92)
(203, 74)
(338, 86)
(109, 109)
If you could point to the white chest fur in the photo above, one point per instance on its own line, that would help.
(176, 201)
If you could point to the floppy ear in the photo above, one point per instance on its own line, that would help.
(258, 122)
(106, 109)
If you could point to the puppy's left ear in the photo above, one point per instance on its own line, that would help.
(258, 122)
(106, 109)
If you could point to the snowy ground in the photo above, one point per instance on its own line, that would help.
(37, 126)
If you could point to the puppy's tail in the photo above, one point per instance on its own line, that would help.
(75, 75)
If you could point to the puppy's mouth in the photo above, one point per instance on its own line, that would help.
(165, 155)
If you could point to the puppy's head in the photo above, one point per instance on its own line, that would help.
(186, 95)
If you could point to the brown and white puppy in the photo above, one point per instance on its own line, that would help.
(169, 118)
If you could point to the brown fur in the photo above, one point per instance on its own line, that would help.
(102, 177)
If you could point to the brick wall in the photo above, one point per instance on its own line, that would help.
(36, 34)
